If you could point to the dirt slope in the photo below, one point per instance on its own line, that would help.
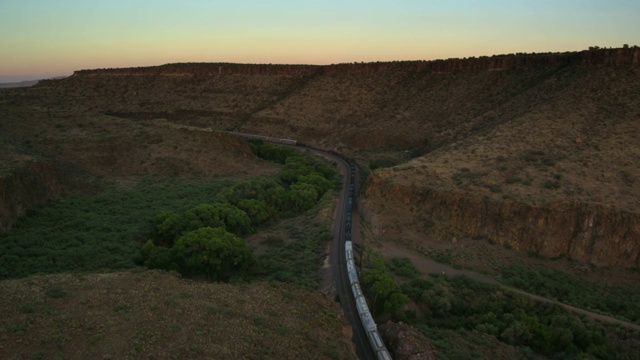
(54, 143)
(558, 179)
(147, 314)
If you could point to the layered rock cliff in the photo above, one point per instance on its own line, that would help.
(587, 233)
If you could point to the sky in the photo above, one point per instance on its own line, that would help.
(47, 38)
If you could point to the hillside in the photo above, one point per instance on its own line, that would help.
(544, 139)
(55, 143)
(147, 314)
(18, 84)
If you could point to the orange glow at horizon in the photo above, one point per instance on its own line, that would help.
(56, 38)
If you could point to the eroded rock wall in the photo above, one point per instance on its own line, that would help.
(587, 233)
(29, 186)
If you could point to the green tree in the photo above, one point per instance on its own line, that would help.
(218, 215)
(214, 252)
(395, 301)
(387, 295)
(439, 299)
(276, 198)
(275, 153)
(168, 226)
(302, 196)
(294, 167)
(516, 334)
(255, 209)
(158, 257)
(319, 182)
(203, 215)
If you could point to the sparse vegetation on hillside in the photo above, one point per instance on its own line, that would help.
(295, 252)
(140, 314)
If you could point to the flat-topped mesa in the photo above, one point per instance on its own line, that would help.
(592, 57)
(207, 69)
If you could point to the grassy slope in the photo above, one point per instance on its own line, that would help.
(149, 314)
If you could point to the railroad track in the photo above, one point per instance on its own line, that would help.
(369, 344)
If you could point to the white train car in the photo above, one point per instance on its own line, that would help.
(369, 325)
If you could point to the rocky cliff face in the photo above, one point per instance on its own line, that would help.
(32, 185)
(587, 233)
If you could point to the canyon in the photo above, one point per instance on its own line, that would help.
(537, 151)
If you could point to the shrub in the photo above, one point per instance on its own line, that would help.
(494, 188)
(212, 251)
(512, 179)
(403, 267)
(550, 184)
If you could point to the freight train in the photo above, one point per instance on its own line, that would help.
(267, 139)
(369, 325)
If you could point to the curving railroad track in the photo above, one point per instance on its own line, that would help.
(366, 338)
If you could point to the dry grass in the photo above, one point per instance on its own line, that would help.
(148, 314)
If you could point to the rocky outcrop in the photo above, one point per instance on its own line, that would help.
(587, 233)
(592, 57)
(405, 342)
(29, 186)
(207, 69)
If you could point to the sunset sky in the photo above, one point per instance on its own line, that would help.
(45, 38)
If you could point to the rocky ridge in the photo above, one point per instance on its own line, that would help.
(592, 57)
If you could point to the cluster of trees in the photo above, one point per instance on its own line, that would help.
(617, 301)
(99, 232)
(463, 304)
(206, 238)
(379, 284)
(202, 240)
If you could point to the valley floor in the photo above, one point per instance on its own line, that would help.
(427, 266)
